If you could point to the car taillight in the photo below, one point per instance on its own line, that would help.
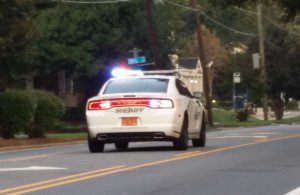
(99, 105)
(143, 102)
(160, 103)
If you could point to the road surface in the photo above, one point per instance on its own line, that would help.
(260, 160)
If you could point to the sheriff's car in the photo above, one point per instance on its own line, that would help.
(145, 108)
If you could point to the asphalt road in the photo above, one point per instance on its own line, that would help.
(262, 160)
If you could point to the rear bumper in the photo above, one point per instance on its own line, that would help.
(167, 122)
(138, 134)
(133, 137)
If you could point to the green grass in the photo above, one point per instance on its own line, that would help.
(67, 136)
(65, 127)
(226, 118)
(223, 116)
(289, 120)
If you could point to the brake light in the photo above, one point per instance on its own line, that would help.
(99, 105)
(143, 102)
(160, 103)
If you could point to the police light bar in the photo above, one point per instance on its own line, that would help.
(120, 72)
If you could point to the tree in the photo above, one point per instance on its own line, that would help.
(283, 68)
(16, 37)
(281, 44)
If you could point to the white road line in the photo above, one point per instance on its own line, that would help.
(31, 168)
(248, 134)
(294, 192)
(263, 133)
(38, 147)
(240, 136)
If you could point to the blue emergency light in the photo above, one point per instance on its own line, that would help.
(121, 72)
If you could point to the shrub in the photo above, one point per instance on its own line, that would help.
(49, 109)
(291, 105)
(242, 115)
(16, 112)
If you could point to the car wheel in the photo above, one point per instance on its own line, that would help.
(121, 145)
(95, 145)
(183, 141)
(202, 139)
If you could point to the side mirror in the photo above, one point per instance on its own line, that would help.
(198, 94)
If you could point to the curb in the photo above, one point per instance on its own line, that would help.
(12, 148)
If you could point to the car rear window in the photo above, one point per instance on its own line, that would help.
(137, 85)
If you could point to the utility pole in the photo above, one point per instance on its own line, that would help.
(203, 64)
(153, 38)
(263, 73)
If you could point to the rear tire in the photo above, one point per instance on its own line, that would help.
(95, 146)
(183, 142)
(202, 139)
(121, 145)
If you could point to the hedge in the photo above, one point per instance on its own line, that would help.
(49, 109)
(16, 112)
(33, 112)
(291, 105)
(242, 115)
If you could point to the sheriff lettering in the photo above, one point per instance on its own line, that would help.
(129, 110)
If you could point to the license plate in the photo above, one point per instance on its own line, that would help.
(129, 121)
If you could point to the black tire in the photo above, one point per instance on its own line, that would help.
(202, 139)
(95, 146)
(121, 145)
(183, 142)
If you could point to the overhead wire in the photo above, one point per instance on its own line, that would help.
(272, 44)
(244, 10)
(269, 20)
(220, 24)
(279, 26)
(210, 18)
(176, 4)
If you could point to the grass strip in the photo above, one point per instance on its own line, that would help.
(226, 118)
(67, 136)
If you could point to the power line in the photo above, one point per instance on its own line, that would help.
(272, 44)
(244, 10)
(279, 26)
(95, 2)
(254, 13)
(210, 18)
(269, 20)
(217, 22)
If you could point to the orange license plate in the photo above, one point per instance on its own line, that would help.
(129, 121)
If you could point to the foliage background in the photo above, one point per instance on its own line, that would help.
(40, 38)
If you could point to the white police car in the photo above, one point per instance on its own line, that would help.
(145, 108)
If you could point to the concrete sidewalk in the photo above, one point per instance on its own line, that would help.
(286, 114)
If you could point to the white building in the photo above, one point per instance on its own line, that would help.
(189, 70)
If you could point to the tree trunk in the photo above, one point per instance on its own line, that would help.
(278, 107)
(61, 81)
(29, 81)
(69, 84)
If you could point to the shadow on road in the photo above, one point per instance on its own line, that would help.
(140, 149)
(146, 149)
